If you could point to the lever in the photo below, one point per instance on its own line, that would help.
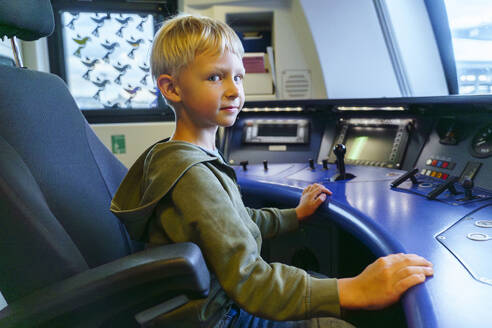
(409, 175)
(442, 187)
(265, 165)
(468, 186)
(325, 164)
(244, 164)
(339, 150)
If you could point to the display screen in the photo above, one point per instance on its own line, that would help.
(370, 143)
(277, 130)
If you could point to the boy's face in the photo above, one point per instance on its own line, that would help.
(211, 89)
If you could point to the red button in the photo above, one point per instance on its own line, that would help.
(445, 165)
(444, 176)
(434, 162)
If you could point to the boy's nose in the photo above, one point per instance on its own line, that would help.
(232, 89)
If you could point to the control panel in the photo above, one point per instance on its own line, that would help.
(465, 156)
(373, 142)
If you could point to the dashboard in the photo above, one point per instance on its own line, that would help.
(416, 178)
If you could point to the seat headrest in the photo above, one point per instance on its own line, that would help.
(27, 20)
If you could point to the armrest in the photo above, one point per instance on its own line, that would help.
(158, 273)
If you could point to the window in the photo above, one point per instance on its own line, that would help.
(107, 59)
(102, 50)
(470, 22)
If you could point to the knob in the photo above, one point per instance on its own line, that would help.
(325, 164)
(265, 165)
(244, 164)
(339, 150)
(311, 163)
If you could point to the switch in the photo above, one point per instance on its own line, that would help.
(444, 176)
(439, 163)
(244, 164)
(265, 165)
(428, 162)
(445, 165)
(434, 162)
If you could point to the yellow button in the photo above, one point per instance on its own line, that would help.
(433, 174)
(439, 175)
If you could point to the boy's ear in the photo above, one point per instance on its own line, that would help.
(167, 84)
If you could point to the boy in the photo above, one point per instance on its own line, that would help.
(182, 190)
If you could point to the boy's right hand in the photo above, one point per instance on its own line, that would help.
(383, 282)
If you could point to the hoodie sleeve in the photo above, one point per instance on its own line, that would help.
(208, 217)
(273, 221)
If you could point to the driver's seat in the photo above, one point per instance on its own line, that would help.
(65, 259)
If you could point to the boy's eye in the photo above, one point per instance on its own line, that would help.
(214, 78)
(238, 78)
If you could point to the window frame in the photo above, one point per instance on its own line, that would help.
(166, 8)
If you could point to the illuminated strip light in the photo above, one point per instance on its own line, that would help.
(273, 109)
(361, 108)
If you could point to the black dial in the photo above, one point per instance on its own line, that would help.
(481, 145)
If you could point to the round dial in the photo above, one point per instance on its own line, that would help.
(481, 145)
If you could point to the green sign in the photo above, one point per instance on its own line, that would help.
(118, 145)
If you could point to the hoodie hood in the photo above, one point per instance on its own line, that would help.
(150, 178)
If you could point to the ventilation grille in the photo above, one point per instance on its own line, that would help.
(296, 84)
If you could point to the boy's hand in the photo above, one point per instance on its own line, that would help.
(312, 197)
(383, 282)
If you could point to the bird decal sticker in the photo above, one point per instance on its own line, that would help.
(109, 105)
(132, 92)
(122, 69)
(124, 23)
(82, 42)
(144, 19)
(75, 16)
(156, 92)
(109, 46)
(100, 23)
(135, 44)
(144, 67)
(101, 84)
(90, 64)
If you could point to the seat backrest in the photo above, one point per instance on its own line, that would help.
(41, 121)
(35, 250)
(76, 173)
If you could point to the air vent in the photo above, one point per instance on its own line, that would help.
(296, 84)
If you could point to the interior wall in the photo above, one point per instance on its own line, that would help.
(137, 137)
(294, 48)
(351, 49)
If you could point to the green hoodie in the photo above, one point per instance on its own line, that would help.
(176, 192)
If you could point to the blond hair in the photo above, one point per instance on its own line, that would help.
(183, 37)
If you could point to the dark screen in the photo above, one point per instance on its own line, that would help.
(370, 143)
(277, 130)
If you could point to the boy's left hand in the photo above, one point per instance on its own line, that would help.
(312, 197)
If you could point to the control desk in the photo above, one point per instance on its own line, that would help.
(414, 176)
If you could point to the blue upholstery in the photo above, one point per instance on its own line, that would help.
(65, 259)
(34, 248)
(41, 121)
(28, 20)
